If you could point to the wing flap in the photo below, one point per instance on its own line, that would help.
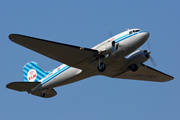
(22, 86)
(68, 54)
(146, 73)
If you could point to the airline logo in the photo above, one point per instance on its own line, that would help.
(31, 76)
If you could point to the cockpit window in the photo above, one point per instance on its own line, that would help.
(136, 30)
(133, 31)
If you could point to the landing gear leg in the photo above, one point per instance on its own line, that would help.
(101, 66)
(43, 93)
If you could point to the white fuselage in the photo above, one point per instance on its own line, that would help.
(128, 42)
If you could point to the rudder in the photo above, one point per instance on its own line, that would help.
(33, 72)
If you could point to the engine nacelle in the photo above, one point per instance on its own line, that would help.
(108, 48)
(138, 57)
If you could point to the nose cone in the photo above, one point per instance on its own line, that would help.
(142, 38)
(146, 35)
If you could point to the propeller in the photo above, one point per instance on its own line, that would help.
(110, 33)
(148, 54)
(153, 62)
(123, 47)
(116, 46)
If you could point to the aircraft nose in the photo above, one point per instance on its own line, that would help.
(146, 35)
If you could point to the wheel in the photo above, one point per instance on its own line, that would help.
(42, 94)
(101, 67)
(133, 67)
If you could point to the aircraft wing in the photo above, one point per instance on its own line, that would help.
(68, 54)
(145, 73)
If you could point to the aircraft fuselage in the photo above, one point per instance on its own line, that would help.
(126, 43)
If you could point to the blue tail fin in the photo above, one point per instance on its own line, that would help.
(33, 73)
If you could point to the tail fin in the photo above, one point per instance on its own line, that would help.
(33, 72)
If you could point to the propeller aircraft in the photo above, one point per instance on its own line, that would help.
(115, 57)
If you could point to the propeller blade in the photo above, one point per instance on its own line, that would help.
(121, 46)
(110, 33)
(148, 46)
(153, 62)
(114, 50)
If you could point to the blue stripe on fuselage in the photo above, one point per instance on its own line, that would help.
(126, 36)
(54, 75)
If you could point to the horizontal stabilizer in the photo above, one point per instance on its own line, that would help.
(22, 86)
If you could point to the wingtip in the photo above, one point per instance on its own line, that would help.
(172, 78)
(11, 37)
(7, 85)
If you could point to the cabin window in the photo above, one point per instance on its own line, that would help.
(130, 32)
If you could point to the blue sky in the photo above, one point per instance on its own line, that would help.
(87, 23)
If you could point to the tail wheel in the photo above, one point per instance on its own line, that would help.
(133, 67)
(43, 94)
(101, 67)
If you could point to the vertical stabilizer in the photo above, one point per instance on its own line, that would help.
(33, 72)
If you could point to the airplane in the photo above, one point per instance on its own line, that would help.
(116, 57)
